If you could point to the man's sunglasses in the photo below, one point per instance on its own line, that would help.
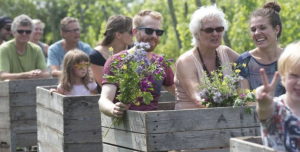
(24, 31)
(210, 30)
(80, 66)
(7, 28)
(149, 31)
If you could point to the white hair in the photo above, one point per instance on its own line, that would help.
(202, 13)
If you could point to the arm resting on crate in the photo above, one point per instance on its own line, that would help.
(106, 104)
(33, 74)
(170, 89)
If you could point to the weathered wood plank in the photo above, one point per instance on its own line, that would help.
(4, 148)
(85, 147)
(4, 104)
(166, 106)
(23, 99)
(110, 148)
(81, 107)
(29, 85)
(49, 140)
(176, 140)
(4, 88)
(23, 113)
(239, 144)
(5, 136)
(166, 96)
(26, 139)
(184, 120)
(24, 125)
(4, 120)
(126, 139)
(54, 119)
(53, 102)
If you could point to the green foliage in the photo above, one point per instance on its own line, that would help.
(92, 15)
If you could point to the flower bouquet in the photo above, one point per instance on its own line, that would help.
(134, 74)
(219, 91)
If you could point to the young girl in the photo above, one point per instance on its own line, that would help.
(75, 78)
(280, 116)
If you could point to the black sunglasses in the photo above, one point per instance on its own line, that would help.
(7, 29)
(210, 30)
(24, 31)
(149, 31)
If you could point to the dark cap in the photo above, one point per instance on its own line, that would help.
(4, 20)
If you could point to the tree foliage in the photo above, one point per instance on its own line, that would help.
(92, 15)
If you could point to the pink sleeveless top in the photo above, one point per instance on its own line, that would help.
(182, 99)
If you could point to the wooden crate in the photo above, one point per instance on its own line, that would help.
(68, 123)
(249, 144)
(165, 130)
(18, 126)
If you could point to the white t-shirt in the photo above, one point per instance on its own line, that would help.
(79, 90)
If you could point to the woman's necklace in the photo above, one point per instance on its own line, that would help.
(218, 64)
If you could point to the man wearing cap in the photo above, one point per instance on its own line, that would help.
(19, 58)
(70, 32)
(5, 24)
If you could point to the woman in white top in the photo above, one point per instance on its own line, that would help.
(207, 26)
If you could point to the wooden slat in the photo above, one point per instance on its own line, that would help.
(81, 107)
(54, 120)
(4, 148)
(5, 136)
(24, 125)
(23, 113)
(26, 139)
(4, 89)
(29, 85)
(184, 120)
(125, 139)
(53, 102)
(49, 140)
(4, 120)
(166, 106)
(23, 99)
(238, 145)
(166, 96)
(110, 148)
(85, 147)
(176, 140)
(4, 104)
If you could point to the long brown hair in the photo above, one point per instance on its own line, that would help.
(115, 23)
(67, 79)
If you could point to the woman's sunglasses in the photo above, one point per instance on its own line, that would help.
(149, 31)
(24, 31)
(82, 65)
(210, 30)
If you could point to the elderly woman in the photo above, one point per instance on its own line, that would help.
(37, 34)
(207, 26)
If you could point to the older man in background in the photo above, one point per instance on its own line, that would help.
(70, 32)
(19, 58)
(5, 29)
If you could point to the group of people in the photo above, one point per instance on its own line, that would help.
(81, 69)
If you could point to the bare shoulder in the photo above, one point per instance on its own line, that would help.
(185, 62)
(232, 55)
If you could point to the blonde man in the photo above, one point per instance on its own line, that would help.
(146, 28)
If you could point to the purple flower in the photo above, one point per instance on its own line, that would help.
(160, 59)
(144, 86)
(150, 78)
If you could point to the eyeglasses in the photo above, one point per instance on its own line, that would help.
(82, 65)
(210, 30)
(149, 31)
(7, 29)
(73, 31)
(24, 31)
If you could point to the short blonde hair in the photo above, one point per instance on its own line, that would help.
(138, 18)
(289, 60)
